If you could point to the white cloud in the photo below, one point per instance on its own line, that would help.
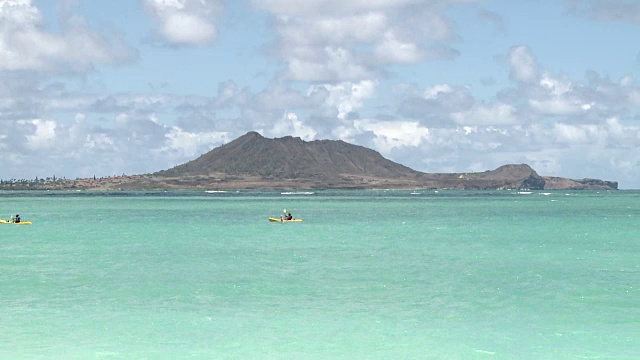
(317, 38)
(99, 141)
(185, 22)
(278, 98)
(541, 95)
(190, 144)
(26, 45)
(557, 87)
(331, 64)
(393, 134)
(393, 51)
(18, 13)
(572, 134)
(555, 96)
(524, 67)
(425, 23)
(180, 28)
(435, 91)
(43, 136)
(608, 135)
(634, 97)
(557, 106)
(483, 114)
(438, 105)
(291, 125)
(348, 96)
(335, 30)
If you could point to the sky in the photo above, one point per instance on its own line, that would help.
(102, 88)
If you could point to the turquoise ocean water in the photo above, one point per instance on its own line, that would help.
(367, 275)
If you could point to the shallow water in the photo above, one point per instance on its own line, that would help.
(368, 274)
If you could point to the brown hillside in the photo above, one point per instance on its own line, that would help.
(291, 158)
(255, 162)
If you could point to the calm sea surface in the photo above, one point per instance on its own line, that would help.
(367, 275)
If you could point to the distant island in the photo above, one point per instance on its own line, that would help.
(254, 162)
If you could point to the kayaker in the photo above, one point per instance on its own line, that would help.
(16, 219)
(289, 217)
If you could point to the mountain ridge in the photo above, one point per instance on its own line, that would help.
(290, 163)
(253, 161)
(290, 157)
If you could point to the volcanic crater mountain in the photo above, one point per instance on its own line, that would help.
(255, 162)
(291, 158)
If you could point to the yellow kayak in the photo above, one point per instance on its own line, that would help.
(284, 221)
(12, 223)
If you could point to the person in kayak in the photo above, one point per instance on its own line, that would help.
(16, 219)
(289, 217)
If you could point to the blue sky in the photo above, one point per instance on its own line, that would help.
(102, 88)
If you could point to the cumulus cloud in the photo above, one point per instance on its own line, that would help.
(185, 22)
(346, 97)
(446, 105)
(317, 38)
(435, 104)
(583, 134)
(290, 125)
(393, 134)
(26, 45)
(43, 137)
(524, 67)
(128, 144)
(487, 114)
(392, 50)
(333, 30)
(330, 64)
(559, 97)
(185, 144)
